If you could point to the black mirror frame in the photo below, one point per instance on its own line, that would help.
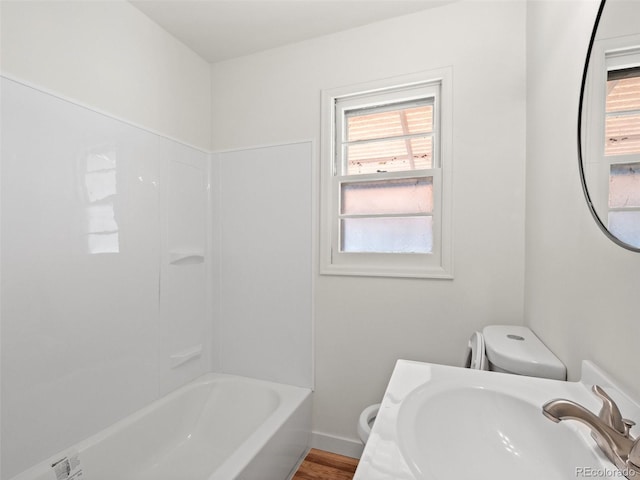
(585, 190)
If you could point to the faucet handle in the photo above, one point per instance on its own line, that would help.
(627, 425)
(610, 413)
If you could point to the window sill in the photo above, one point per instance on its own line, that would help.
(396, 272)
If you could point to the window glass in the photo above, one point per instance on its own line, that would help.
(626, 226)
(392, 123)
(389, 156)
(406, 195)
(624, 185)
(387, 235)
(392, 138)
(622, 129)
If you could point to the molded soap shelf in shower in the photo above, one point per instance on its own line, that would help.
(186, 257)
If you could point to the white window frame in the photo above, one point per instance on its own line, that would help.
(607, 54)
(438, 263)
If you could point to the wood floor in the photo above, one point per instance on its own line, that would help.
(321, 465)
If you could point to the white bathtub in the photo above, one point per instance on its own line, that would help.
(218, 427)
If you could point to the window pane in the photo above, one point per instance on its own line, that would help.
(626, 226)
(623, 112)
(390, 156)
(390, 123)
(624, 185)
(387, 235)
(407, 195)
(622, 135)
(623, 94)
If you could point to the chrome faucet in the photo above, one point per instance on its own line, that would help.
(608, 429)
(610, 413)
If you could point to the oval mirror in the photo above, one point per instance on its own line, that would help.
(609, 122)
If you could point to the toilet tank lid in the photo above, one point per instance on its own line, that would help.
(518, 350)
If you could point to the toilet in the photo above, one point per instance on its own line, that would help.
(513, 349)
(499, 348)
(365, 422)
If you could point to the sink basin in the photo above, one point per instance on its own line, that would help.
(449, 431)
(438, 422)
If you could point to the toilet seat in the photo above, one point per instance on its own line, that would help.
(476, 356)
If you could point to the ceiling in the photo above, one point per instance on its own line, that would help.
(221, 29)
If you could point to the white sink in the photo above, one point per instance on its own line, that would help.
(477, 432)
(442, 423)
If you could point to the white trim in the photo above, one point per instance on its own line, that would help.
(213, 253)
(313, 142)
(335, 444)
(91, 108)
(621, 58)
(315, 222)
(409, 80)
(389, 265)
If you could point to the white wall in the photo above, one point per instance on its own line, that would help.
(111, 57)
(362, 325)
(581, 289)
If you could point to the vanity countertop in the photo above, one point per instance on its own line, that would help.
(383, 457)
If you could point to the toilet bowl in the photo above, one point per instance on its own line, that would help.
(499, 348)
(365, 422)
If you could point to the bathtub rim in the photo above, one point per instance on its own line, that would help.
(291, 399)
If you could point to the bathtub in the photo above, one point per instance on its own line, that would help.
(218, 427)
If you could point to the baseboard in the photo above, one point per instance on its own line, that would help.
(339, 445)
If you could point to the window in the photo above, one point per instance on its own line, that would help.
(385, 174)
(611, 154)
(622, 147)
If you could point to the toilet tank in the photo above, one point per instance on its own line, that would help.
(515, 349)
